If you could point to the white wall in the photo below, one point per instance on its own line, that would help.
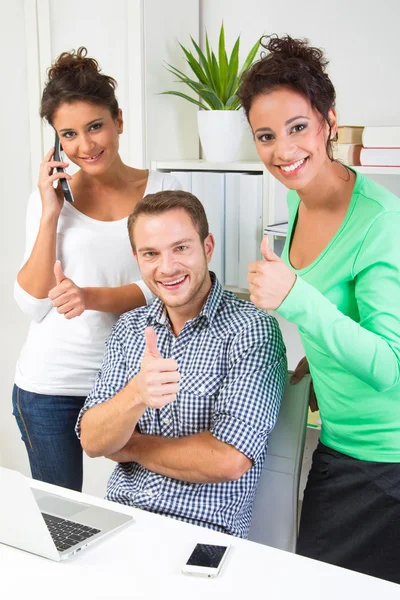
(360, 37)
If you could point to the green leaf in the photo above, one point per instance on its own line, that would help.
(203, 60)
(182, 76)
(188, 98)
(233, 68)
(211, 97)
(250, 57)
(214, 82)
(195, 66)
(233, 103)
(216, 74)
(223, 65)
(229, 102)
(205, 92)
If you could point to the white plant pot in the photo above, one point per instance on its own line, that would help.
(221, 133)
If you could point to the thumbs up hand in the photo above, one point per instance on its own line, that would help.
(58, 272)
(151, 349)
(67, 298)
(270, 280)
(157, 382)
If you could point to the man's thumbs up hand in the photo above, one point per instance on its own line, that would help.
(157, 382)
(151, 343)
(270, 280)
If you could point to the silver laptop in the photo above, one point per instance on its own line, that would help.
(47, 524)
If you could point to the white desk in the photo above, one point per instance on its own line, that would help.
(144, 560)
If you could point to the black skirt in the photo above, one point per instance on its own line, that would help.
(351, 514)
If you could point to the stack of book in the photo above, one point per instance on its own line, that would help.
(381, 147)
(349, 145)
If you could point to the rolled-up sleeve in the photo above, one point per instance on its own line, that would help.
(34, 308)
(247, 406)
(112, 376)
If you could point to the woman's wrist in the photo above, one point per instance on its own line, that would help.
(49, 220)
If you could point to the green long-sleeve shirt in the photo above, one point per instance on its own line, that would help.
(347, 307)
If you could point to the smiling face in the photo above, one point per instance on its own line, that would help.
(290, 137)
(173, 260)
(88, 135)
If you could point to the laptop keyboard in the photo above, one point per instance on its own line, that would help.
(66, 533)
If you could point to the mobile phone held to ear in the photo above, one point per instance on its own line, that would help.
(206, 560)
(58, 156)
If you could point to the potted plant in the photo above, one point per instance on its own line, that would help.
(221, 122)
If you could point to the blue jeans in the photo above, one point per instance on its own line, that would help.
(47, 427)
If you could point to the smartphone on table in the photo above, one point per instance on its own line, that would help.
(59, 156)
(206, 560)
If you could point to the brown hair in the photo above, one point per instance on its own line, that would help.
(74, 76)
(294, 64)
(161, 202)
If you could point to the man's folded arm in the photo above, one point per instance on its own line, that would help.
(244, 414)
(199, 458)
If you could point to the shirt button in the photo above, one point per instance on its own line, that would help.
(166, 421)
(150, 494)
(202, 389)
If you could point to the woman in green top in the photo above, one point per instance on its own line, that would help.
(339, 282)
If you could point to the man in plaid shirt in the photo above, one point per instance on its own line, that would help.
(190, 386)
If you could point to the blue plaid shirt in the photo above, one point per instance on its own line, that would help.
(233, 368)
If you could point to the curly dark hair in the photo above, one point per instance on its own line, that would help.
(74, 76)
(294, 64)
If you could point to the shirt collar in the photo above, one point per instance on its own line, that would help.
(157, 312)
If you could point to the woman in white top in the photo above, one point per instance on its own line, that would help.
(74, 302)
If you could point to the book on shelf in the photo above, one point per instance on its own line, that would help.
(350, 134)
(349, 154)
(280, 229)
(380, 157)
(381, 137)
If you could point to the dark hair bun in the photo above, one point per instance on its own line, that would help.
(297, 51)
(74, 76)
(73, 62)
